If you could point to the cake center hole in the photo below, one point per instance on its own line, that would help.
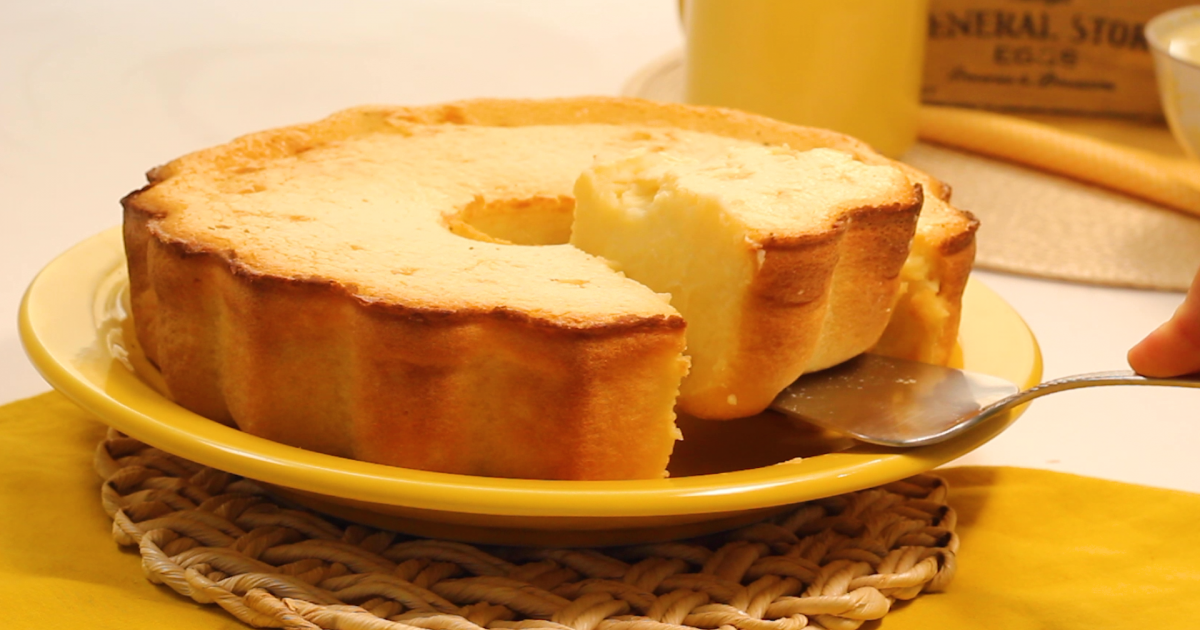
(525, 221)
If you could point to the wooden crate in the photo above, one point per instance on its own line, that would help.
(1087, 57)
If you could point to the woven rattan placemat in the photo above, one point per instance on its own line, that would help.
(1032, 222)
(221, 539)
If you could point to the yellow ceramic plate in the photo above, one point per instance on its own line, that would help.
(724, 474)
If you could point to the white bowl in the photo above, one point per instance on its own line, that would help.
(1174, 39)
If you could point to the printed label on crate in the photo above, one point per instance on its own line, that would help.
(1052, 56)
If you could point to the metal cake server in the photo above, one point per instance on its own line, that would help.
(894, 402)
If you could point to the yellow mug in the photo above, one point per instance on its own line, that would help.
(853, 66)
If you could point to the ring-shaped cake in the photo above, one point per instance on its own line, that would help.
(419, 287)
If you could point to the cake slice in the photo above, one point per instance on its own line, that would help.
(780, 261)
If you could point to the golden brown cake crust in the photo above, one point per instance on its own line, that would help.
(327, 364)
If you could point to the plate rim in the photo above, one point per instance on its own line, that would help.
(59, 348)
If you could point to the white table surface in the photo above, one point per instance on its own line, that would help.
(92, 94)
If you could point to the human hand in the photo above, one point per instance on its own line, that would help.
(1172, 349)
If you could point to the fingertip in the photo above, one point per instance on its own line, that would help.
(1173, 348)
(1164, 353)
(1141, 359)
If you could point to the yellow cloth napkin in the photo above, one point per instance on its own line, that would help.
(59, 566)
(1044, 550)
(1038, 549)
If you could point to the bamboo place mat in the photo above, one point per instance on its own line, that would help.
(221, 539)
(1037, 223)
